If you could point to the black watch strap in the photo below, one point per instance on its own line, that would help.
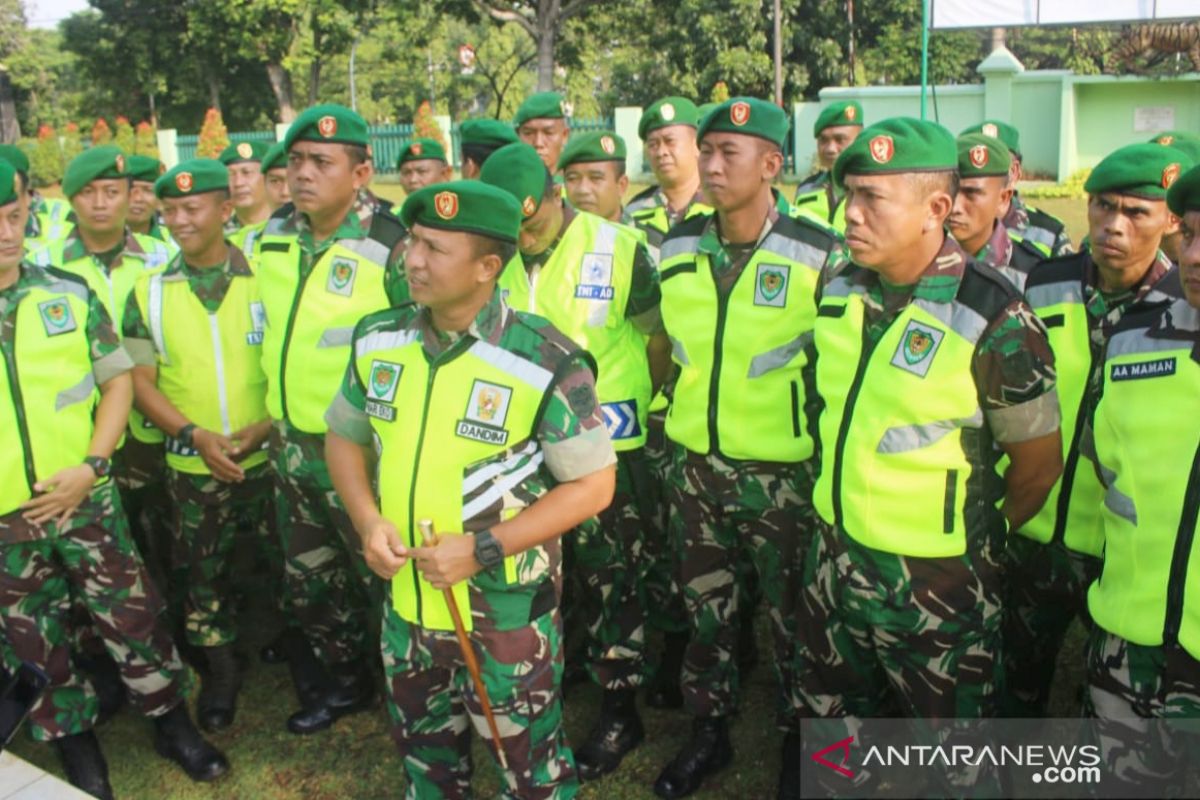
(184, 437)
(100, 465)
(488, 551)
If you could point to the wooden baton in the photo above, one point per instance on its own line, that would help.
(468, 652)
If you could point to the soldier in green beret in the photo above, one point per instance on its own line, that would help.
(48, 216)
(1081, 298)
(248, 187)
(143, 205)
(274, 170)
(326, 260)
(1189, 145)
(596, 282)
(982, 201)
(737, 289)
(593, 169)
(541, 122)
(64, 543)
(836, 127)
(1027, 222)
(422, 162)
(512, 413)
(478, 139)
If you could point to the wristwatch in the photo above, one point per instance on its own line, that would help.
(184, 437)
(100, 465)
(488, 551)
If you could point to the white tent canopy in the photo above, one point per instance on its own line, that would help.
(1016, 13)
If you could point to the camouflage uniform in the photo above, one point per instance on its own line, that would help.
(92, 559)
(1038, 227)
(206, 512)
(1012, 258)
(881, 632)
(1047, 583)
(327, 585)
(516, 627)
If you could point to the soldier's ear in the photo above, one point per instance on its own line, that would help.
(489, 267)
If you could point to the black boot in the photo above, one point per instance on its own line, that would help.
(618, 731)
(705, 753)
(308, 674)
(219, 689)
(789, 767)
(747, 646)
(664, 691)
(84, 764)
(352, 690)
(274, 651)
(176, 738)
(106, 680)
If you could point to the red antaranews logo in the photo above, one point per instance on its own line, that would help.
(882, 149)
(446, 204)
(739, 113)
(844, 747)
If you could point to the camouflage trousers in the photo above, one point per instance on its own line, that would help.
(433, 707)
(206, 516)
(327, 585)
(1046, 588)
(609, 564)
(1145, 698)
(662, 600)
(889, 635)
(140, 471)
(722, 513)
(95, 559)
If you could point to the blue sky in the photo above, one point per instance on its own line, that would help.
(47, 13)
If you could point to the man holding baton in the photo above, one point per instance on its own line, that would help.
(469, 411)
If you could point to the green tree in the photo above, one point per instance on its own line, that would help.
(46, 159)
(542, 20)
(213, 135)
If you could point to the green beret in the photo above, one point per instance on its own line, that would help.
(9, 183)
(542, 105)
(328, 123)
(898, 144)
(1184, 194)
(15, 156)
(1142, 170)
(143, 168)
(420, 149)
(667, 112)
(486, 133)
(1186, 143)
(274, 158)
(749, 116)
(982, 156)
(195, 176)
(998, 130)
(847, 112)
(518, 169)
(593, 146)
(95, 163)
(469, 206)
(244, 151)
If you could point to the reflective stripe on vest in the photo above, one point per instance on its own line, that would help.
(1149, 591)
(209, 364)
(49, 376)
(310, 323)
(1071, 513)
(113, 287)
(739, 391)
(583, 289)
(895, 474)
(455, 442)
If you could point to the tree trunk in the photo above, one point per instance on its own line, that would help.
(153, 111)
(314, 80)
(214, 92)
(281, 84)
(547, 30)
(10, 127)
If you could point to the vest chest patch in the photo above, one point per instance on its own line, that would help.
(56, 316)
(487, 409)
(1146, 369)
(258, 321)
(341, 276)
(917, 347)
(595, 277)
(770, 285)
(383, 380)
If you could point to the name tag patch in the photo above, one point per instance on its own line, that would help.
(917, 347)
(770, 285)
(56, 316)
(487, 409)
(382, 411)
(1144, 369)
(595, 277)
(341, 276)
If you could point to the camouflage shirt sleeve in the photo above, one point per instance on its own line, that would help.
(574, 440)
(109, 358)
(1014, 373)
(347, 415)
(645, 294)
(138, 340)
